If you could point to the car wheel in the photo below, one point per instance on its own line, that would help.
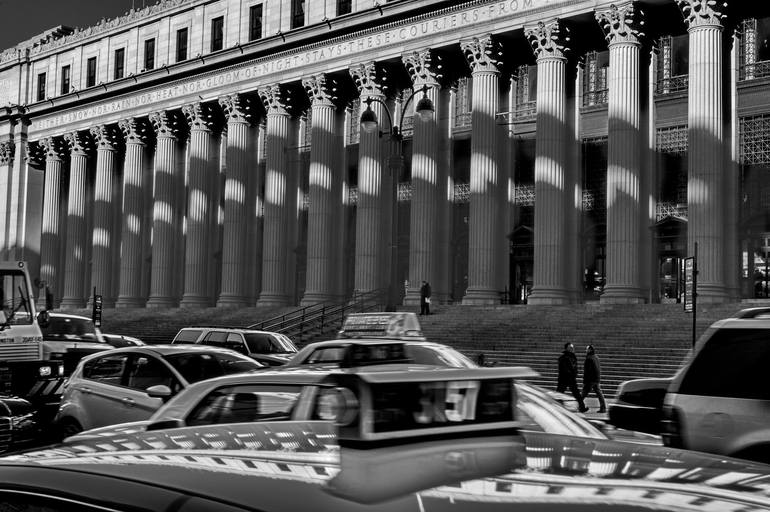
(69, 427)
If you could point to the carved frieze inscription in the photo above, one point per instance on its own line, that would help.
(265, 68)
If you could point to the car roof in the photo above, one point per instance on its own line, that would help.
(166, 350)
(227, 329)
(67, 315)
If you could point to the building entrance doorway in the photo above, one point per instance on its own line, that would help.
(670, 246)
(522, 257)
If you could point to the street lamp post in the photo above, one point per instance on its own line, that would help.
(369, 123)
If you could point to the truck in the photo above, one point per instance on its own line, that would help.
(28, 382)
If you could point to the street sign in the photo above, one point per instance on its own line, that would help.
(689, 284)
(97, 313)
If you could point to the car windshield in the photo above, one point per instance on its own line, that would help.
(540, 413)
(440, 356)
(70, 329)
(259, 343)
(201, 366)
(13, 297)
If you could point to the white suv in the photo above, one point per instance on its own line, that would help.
(268, 348)
(719, 401)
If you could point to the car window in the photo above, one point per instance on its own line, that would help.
(187, 336)
(147, 371)
(732, 363)
(326, 355)
(286, 343)
(197, 367)
(70, 329)
(245, 403)
(261, 343)
(107, 369)
(215, 338)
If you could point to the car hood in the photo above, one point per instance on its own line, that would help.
(293, 465)
(129, 428)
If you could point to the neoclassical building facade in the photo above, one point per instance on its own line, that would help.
(209, 152)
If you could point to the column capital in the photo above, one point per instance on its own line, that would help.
(7, 150)
(166, 123)
(369, 78)
(134, 130)
(80, 143)
(320, 89)
(621, 23)
(200, 116)
(483, 53)
(276, 99)
(237, 108)
(106, 137)
(549, 39)
(424, 66)
(702, 13)
(53, 147)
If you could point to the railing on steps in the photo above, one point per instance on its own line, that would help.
(308, 322)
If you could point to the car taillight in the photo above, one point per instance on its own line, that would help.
(671, 427)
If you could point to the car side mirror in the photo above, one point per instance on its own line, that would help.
(164, 424)
(159, 391)
(43, 319)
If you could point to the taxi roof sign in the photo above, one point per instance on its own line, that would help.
(393, 325)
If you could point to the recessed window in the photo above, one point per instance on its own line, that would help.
(255, 22)
(217, 33)
(344, 7)
(91, 72)
(65, 79)
(181, 44)
(149, 54)
(120, 62)
(297, 13)
(40, 86)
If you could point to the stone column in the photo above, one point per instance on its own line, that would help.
(321, 275)
(706, 180)
(550, 285)
(423, 233)
(167, 211)
(50, 242)
(7, 151)
(484, 246)
(76, 252)
(199, 214)
(104, 241)
(371, 247)
(621, 25)
(135, 131)
(274, 265)
(236, 228)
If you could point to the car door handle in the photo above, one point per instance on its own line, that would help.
(128, 402)
(85, 390)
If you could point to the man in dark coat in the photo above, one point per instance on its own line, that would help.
(568, 368)
(425, 298)
(592, 372)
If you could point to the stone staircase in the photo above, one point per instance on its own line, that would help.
(632, 341)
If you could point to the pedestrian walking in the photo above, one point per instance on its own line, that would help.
(568, 369)
(425, 298)
(592, 373)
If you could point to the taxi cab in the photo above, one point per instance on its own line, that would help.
(445, 440)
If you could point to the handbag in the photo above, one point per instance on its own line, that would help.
(427, 300)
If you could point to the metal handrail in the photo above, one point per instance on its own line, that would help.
(319, 317)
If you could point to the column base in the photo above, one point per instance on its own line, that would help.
(621, 295)
(162, 302)
(129, 302)
(711, 294)
(316, 298)
(548, 297)
(195, 301)
(70, 303)
(480, 297)
(273, 300)
(232, 301)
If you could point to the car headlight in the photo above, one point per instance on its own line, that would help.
(44, 371)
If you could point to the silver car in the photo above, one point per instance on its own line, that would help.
(130, 384)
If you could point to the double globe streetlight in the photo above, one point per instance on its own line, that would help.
(369, 124)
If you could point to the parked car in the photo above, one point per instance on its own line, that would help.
(268, 348)
(638, 404)
(129, 384)
(19, 423)
(121, 340)
(719, 401)
(71, 337)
